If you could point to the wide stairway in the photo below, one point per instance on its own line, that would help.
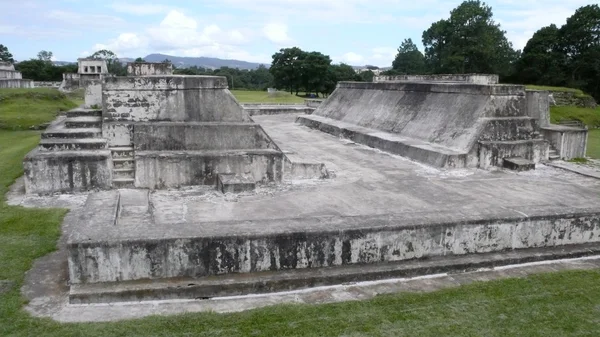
(72, 156)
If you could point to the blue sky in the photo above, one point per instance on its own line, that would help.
(357, 32)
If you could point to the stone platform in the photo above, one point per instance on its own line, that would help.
(380, 209)
(442, 124)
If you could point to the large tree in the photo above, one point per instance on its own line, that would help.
(470, 41)
(409, 59)
(313, 66)
(543, 60)
(580, 39)
(5, 55)
(113, 64)
(286, 68)
(45, 56)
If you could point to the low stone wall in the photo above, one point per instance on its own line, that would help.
(52, 172)
(465, 78)
(149, 69)
(10, 74)
(43, 84)
(15, 84)
(565, 98)
(313, 103)
(569, 142)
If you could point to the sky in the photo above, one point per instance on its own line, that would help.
(356, 32)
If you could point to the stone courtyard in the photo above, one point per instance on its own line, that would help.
(178, 194)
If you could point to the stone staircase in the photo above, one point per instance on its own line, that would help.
(123, 167)
(553, 154)
(72, 156)
(80, 130)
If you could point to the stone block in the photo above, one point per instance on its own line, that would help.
(232, 183)
(518, 164)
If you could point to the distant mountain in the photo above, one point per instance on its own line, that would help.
(205, 62)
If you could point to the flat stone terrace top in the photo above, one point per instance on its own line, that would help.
(465, 78)
(439, 87)
(372, 190)
(165, 82)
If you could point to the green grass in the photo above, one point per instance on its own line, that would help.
(593, 148)
(21, 109)
(264, 97)
(557, 304)
(588, 116)
(577, 92)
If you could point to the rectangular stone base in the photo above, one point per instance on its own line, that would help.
(100, 251)
(232, 183)
(67, 171)
(171, 169)
(518, 164)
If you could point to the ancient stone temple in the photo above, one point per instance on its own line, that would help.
(10, 78)
(154, 132)
(447, 121)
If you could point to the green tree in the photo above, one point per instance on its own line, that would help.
(5, 55)
(139, 60)
(469, 42)
(409, 59)
(113, 64)
(580, 38)
(286, 68)
(543, 60)
(45, 56)
(313, 67)
(367, 76)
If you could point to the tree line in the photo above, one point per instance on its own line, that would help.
(312, 72)
(470, 41)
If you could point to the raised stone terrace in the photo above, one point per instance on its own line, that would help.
(380, 214)
(10, 78)
(440, 123)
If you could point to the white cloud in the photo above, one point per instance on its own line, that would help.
(139, 9)
(182, 35)
(125, 42)
(352, 58)
(277, 33)
(177, 20)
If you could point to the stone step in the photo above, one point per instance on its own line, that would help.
(119, 173)
(84, 113)
(60, 144)
(232, 183)
(266, 282)
(518, 164)
(553, 157)
(73, 133)
(83, 122)
(122, 152)
(123, 162)
(123, 183)
(297, 167)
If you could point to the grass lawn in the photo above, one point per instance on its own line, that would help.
(244, 96)
(557, 304)
(593, 149)
(590, 117)
(21, 109)
(577, 92)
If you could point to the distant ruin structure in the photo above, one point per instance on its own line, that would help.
(89, 70)
(149, 68)
(10, 78)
